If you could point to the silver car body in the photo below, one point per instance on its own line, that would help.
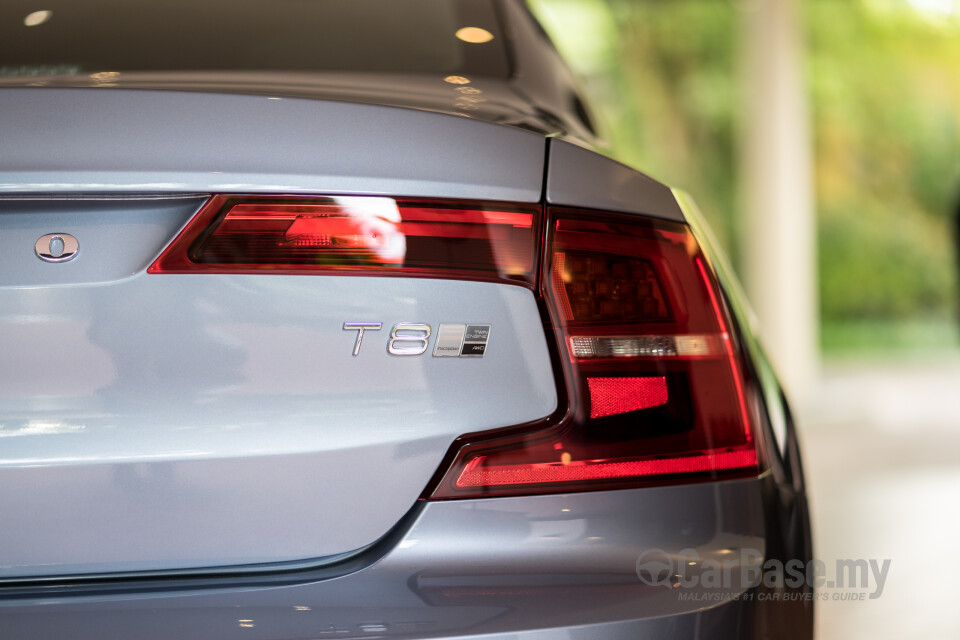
(198, 456)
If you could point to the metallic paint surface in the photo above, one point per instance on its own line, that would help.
(582, 178)
(505, 568)
(176, 421)
(118, 238)
(487, 99)
(138, 141)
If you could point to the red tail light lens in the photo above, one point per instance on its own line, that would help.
(374, 235)
(655, 385)
(612, 396)
(657, 390)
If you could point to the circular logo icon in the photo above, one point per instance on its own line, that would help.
(655, 567)
(57, 247)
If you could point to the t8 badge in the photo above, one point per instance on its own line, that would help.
(453, 340)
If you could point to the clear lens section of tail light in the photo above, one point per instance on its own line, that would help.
(373, 235)
(655, 383)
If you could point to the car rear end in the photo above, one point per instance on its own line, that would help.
(299, 367)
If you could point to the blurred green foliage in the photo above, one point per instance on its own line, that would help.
(884, 87)
(662, 76)
(886, 97)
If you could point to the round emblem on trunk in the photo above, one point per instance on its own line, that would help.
(57, 247)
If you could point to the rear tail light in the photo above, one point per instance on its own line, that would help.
(655, 382)
(655, 391)
(364, 235)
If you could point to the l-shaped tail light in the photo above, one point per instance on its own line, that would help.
(651, 367)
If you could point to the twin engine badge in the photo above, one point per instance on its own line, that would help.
(453, 340)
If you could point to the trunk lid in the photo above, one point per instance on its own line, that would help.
(153, 422)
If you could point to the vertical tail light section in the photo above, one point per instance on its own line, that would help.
(366, 235)
(655, 380)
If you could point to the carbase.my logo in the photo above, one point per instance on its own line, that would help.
(655, 567)
(745, 568)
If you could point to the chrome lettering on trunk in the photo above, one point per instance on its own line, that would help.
(454, 340)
